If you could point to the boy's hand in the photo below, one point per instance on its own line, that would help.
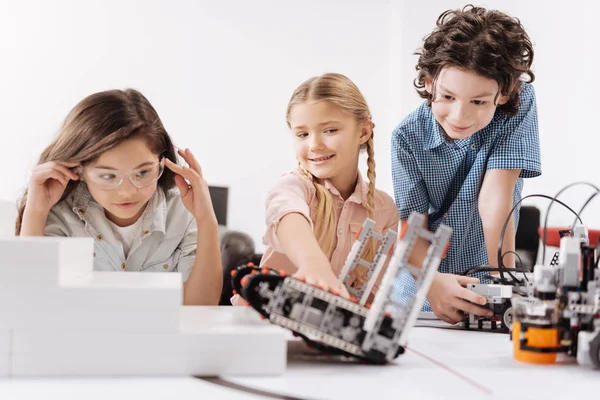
(449, 298)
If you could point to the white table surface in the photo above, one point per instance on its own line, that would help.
(439, 363)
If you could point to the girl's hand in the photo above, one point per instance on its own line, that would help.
(48, 183)
(320, 274)
(194, 195)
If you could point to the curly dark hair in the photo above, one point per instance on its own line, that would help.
(486, 42)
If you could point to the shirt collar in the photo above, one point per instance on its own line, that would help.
(435, 136)
(359, 196)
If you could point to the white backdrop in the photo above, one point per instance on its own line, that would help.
(566, 56)
(220, 75)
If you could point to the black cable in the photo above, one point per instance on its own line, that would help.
(511, 270)
(548, 212)
(515, 253)
(489, 268)
(501, 242)
(583, 208)
(495, 279)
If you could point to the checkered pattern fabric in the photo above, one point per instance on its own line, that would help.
(424, 163)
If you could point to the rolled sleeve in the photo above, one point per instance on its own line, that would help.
(519, 145)
(187, 249)
(410, 191)
(289, 195)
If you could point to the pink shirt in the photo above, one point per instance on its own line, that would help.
(295, 193)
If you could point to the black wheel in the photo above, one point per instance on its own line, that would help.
(238, 274)
(251, 287)
(595, 350)
(376, 357)
(507, 319)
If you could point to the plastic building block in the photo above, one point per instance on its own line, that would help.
(340, 326)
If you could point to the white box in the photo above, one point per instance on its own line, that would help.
(41, 261)
(242, 343)
(99, 291)
(211, 341)
(120, 321)
(5, 351)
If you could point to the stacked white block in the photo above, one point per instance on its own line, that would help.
(59, 317)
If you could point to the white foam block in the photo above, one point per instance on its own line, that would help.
(100, 291)
(45, 322)
(242, 343)
(211, 341)
(40, 261)
(4, 353)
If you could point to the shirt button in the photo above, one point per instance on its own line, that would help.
(146, 232)
(99, 237)
(123, 266)
(94, 254)
(340, 231)
(445, 215)
(339, 203)
(473, 146)
(166, 266)
(80, 211)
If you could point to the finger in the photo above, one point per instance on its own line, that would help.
(182, 185)
(57, 176)
(343, 291)
(471, 296)
(465, 280)
(298, 275)
(472, 308)
(446, 318)
(67, 164)
(186, 172)
(192, 162)
(310, 280)
(455, 316)
(67, 172)
(52, 166)
(42, 176)
(183, 154)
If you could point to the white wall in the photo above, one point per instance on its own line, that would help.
(220, 75)
(566, 56)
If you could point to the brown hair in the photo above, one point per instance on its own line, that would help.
(100, 122)
(341, 91)
(488, 43)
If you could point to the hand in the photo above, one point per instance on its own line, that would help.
(194, 195)
(48, 183)
(449, 298)
(319, 273)
(239, 301)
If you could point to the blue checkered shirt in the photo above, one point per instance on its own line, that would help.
(424, 163)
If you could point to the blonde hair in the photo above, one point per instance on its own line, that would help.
(339, 90)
